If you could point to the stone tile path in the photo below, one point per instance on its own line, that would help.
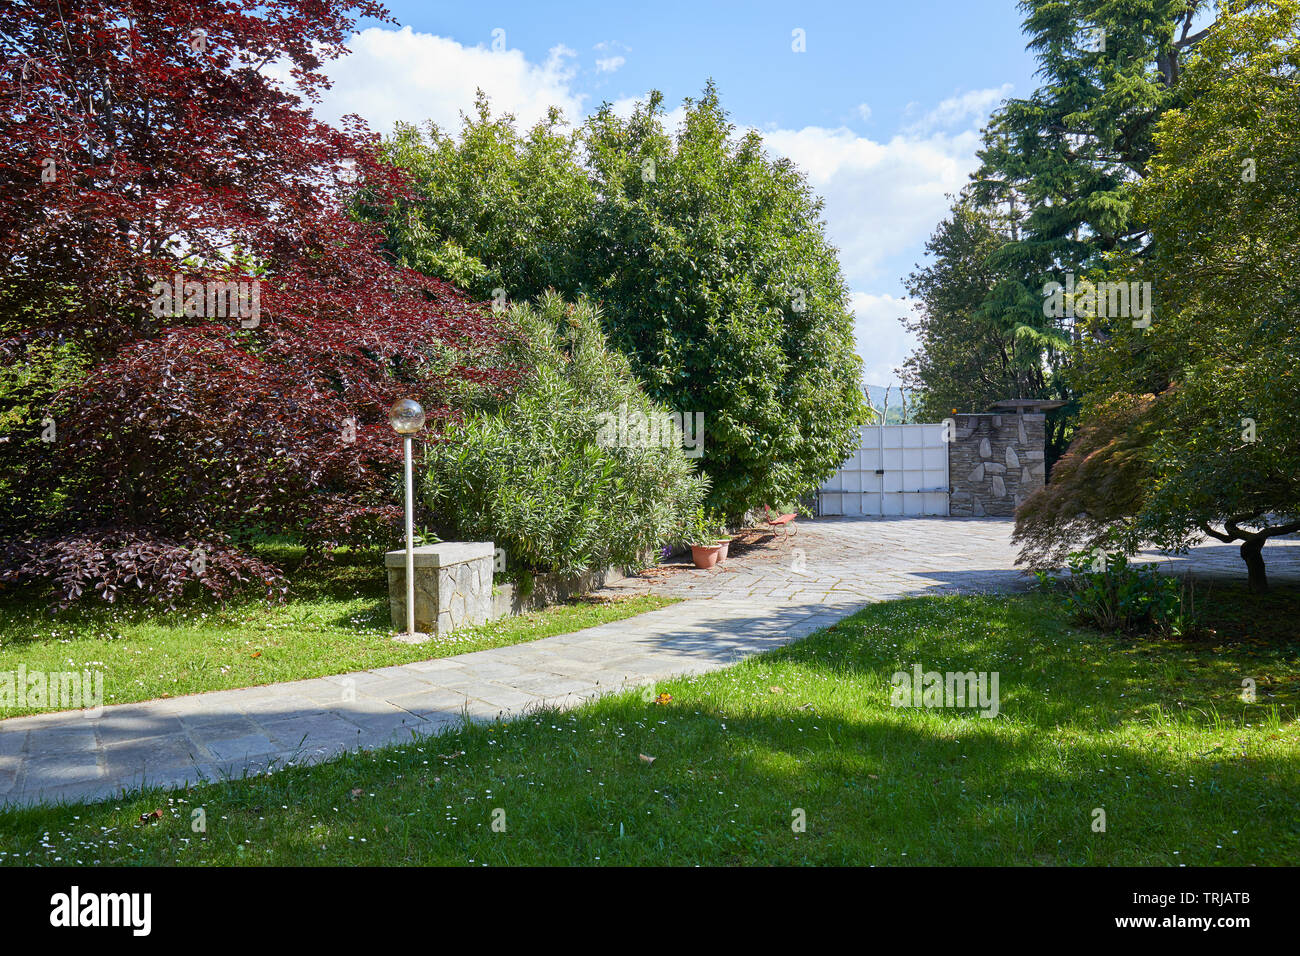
(833, 560)
(57, 757)
(775, 593)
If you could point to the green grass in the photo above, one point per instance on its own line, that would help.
(1151, 732)
(335, 621)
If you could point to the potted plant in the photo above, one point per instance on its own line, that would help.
(702, 537)
(720, 535)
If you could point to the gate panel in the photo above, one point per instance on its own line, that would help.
(897, 470)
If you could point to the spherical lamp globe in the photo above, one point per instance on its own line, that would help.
(406, 416)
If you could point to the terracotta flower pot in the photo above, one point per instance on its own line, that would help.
(705, 555)
(722, 546)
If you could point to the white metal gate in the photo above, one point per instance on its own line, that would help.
(897, 470)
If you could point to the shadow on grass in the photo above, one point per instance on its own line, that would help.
(348, 575)
(1052, 672)
(724, 788)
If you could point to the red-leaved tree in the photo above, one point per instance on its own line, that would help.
(176, 232)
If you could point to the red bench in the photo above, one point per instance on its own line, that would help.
(782, 523)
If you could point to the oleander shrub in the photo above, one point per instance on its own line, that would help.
(546, 475)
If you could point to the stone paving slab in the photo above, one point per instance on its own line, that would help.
(833, 561)
(760, 600)
(183, 740)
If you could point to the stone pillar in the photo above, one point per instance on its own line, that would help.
(453, 586)
(995, 462)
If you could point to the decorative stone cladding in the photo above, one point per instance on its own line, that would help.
(995, 462)
(453, 586)
(509, 599)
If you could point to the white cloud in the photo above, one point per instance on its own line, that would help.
(863, 111)
(882, 202)
(971, 106)
(882, 198)
(883, 342)
(396, 75)
(609, 64)
(555, 58)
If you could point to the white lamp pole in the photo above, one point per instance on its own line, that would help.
(407, 417)
(410, 540)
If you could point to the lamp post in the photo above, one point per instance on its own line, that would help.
(407, 417)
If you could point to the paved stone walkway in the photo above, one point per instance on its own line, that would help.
(833, 560)
(58, 757)
(771, 594)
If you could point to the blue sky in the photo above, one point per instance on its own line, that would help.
(882, 109)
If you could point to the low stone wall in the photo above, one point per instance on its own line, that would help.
(995, 462)
(453, 586)
(507, 599)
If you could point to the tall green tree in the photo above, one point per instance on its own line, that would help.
(1222, 195)
(709, 260)
(1056, 179)
(1221, 444)
(968, 356)
(1067, 157)
(712, 261)
(496, 208)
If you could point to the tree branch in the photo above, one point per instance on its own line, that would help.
(1188, 41)
(1291, 528)
(1232, 526)
(1205, 526)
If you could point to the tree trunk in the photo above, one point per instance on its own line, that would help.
(1252, 553)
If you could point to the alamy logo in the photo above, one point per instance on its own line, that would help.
(1105, 300)
(636, 429)
(103, 909)
(53, 690)
(213, 300)
(950, 689)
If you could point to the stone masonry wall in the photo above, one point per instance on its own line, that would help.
(995, 462)
(453, 586)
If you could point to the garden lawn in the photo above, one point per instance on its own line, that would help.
(1152, 733)
(335, 620)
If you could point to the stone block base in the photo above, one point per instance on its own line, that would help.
(453, 586)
